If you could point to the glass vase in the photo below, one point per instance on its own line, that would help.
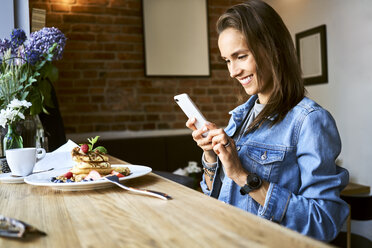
(32, 132)
(12, 138)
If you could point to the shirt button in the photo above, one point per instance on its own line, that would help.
(238, 148)
(264, 156)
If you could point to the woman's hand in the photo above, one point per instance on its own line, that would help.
(204, 143)
(218, 142)
(225, 148)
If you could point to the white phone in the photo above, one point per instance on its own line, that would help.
(191, 110)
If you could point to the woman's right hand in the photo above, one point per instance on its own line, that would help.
(204, 143)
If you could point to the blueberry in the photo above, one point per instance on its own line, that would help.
(68, 181)
(52, 179)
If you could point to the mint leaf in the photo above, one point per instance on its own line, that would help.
(100, 149)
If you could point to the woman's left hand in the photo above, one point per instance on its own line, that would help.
(225, 148)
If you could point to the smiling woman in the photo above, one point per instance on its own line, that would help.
(276, 157)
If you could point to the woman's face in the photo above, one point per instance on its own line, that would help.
(241, 63)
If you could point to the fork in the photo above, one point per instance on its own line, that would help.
(115, 180)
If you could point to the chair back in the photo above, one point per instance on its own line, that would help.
(361, 206)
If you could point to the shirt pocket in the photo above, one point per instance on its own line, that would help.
(263, 160)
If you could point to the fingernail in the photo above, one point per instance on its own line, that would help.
(204, 129)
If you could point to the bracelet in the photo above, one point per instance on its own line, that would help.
(209, 174)
(211, 167)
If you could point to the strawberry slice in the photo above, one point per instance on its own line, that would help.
(93, 175)
(117, 174)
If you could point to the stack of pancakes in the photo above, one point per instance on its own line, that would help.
(86, 162)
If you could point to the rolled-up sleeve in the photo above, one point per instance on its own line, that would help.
(316, 209)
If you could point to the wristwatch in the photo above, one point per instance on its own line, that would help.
(253, 182)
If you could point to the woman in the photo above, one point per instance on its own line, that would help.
(276, 157)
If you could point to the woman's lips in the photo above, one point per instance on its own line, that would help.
(246, 80)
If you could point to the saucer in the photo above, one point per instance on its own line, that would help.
(8, 178)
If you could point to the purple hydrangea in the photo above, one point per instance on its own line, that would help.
(4, 46)
(18, 37)
(32, 56)
(40, 42)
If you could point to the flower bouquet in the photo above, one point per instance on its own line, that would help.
(26, 69)
(27, 72)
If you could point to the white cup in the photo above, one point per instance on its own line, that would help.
(21, 161)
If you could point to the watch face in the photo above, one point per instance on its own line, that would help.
(253, 181)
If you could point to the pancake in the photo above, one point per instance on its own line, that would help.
(87, 165)
(79, 156)
(102, 171)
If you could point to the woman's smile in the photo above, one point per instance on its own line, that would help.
(246, 80)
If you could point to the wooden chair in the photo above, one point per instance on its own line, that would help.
(360, 209)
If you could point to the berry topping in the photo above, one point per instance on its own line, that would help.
(93, 175)
(84, 148)
(68, 175)
(118, 174)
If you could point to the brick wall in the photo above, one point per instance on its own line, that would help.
(102, 84)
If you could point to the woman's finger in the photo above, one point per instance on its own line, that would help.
(190, 123)
(220, 137)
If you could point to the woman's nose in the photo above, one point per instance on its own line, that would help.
(234, 70)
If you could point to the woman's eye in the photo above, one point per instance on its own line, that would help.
(242, 56)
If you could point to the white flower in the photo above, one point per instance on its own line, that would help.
(13, 111)
(15, 103)
(22, 116)
(3, 119)
(193, 167)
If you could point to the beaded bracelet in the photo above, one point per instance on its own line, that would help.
(209, 174)
(211, 167)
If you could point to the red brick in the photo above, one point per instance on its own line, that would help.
(92, 2)
(104, 20)
(63, 1)
(53, 18)
(60, 8)
(128, 21)
(80, 27)
(73, 18)
(88, 9)
(81, 37)
(123, 12)
(130, 56)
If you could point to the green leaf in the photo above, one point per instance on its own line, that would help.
(50, 71)
(35, 98)
(100, 149)
(46, 92)
(53, 73)
(93, 140)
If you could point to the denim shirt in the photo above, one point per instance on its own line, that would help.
(297, 157)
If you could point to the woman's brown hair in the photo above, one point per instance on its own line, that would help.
(272, 47)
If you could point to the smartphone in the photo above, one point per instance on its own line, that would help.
(191, 110)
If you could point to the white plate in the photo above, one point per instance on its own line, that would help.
(8, 178)
(43, 179)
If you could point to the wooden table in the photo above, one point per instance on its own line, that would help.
(113, 217)
(355, 189)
